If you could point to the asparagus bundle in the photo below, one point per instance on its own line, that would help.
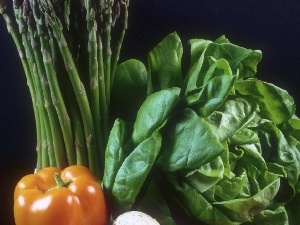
(69, 52)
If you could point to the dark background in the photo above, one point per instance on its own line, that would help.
(270, 26)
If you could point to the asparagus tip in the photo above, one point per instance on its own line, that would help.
(2, 6)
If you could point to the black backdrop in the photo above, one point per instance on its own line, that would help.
(270, 26)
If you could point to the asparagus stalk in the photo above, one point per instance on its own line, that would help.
(48, 158)
(107, 50)
(78, 86)
(93, 71)
(60, 122)
(103, 99)
(116, 55)
(71, 119)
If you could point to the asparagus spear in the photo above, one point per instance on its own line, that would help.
(71, 100)
(93, 72)
(116, 55)
(78, 86)
(17, 41)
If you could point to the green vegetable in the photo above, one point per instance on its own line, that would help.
(69, 51)
(210, 145)
(134, 170)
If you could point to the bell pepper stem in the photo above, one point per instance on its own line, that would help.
(59, 182)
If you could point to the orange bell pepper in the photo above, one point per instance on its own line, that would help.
(52, 196)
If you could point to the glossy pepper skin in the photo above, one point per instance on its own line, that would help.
(39, 201)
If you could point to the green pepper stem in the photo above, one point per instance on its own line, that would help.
(59, 182)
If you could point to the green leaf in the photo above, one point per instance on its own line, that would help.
(207, 175)
(154, 204)
(283, 151)
(234, 114)
(275, 103)
(275, 168)
(230, 188)
(244, 136)
(196, 205)
(114, 153)
(292, 127)
(257, 171)
(134, 171)
(191, 143)
(239, 58)
(276, 216)
(165, 64)
(129, 89)
(241, 210)
(242, 61)
(252, 156)
(215, 90)
(292, 209)
(153, 112)
(198, 46)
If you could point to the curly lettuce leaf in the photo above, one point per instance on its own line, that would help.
(234, 114)
(241, 60)
(275, 103)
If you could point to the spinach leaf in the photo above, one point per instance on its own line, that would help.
(134, 170)
(153, 112)
(129, 89)
(114, 153)
(165, 64)
(190, 144)
(154, 204)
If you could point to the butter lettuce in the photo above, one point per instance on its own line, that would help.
(209, 145)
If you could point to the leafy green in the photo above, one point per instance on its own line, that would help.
(191, 143)
(234, 114)
(153, 112)
(216, 146)
(134, 170)
(212, 95)
(267, 217)
(275, 103)
(129, 89)
(241, 60)
(165, 64)
(115, 153)
(157, 204)
(243, 209)
(283, 151)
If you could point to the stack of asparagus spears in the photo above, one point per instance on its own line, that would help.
(69, 51)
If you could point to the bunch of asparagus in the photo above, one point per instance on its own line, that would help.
(69, 52)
